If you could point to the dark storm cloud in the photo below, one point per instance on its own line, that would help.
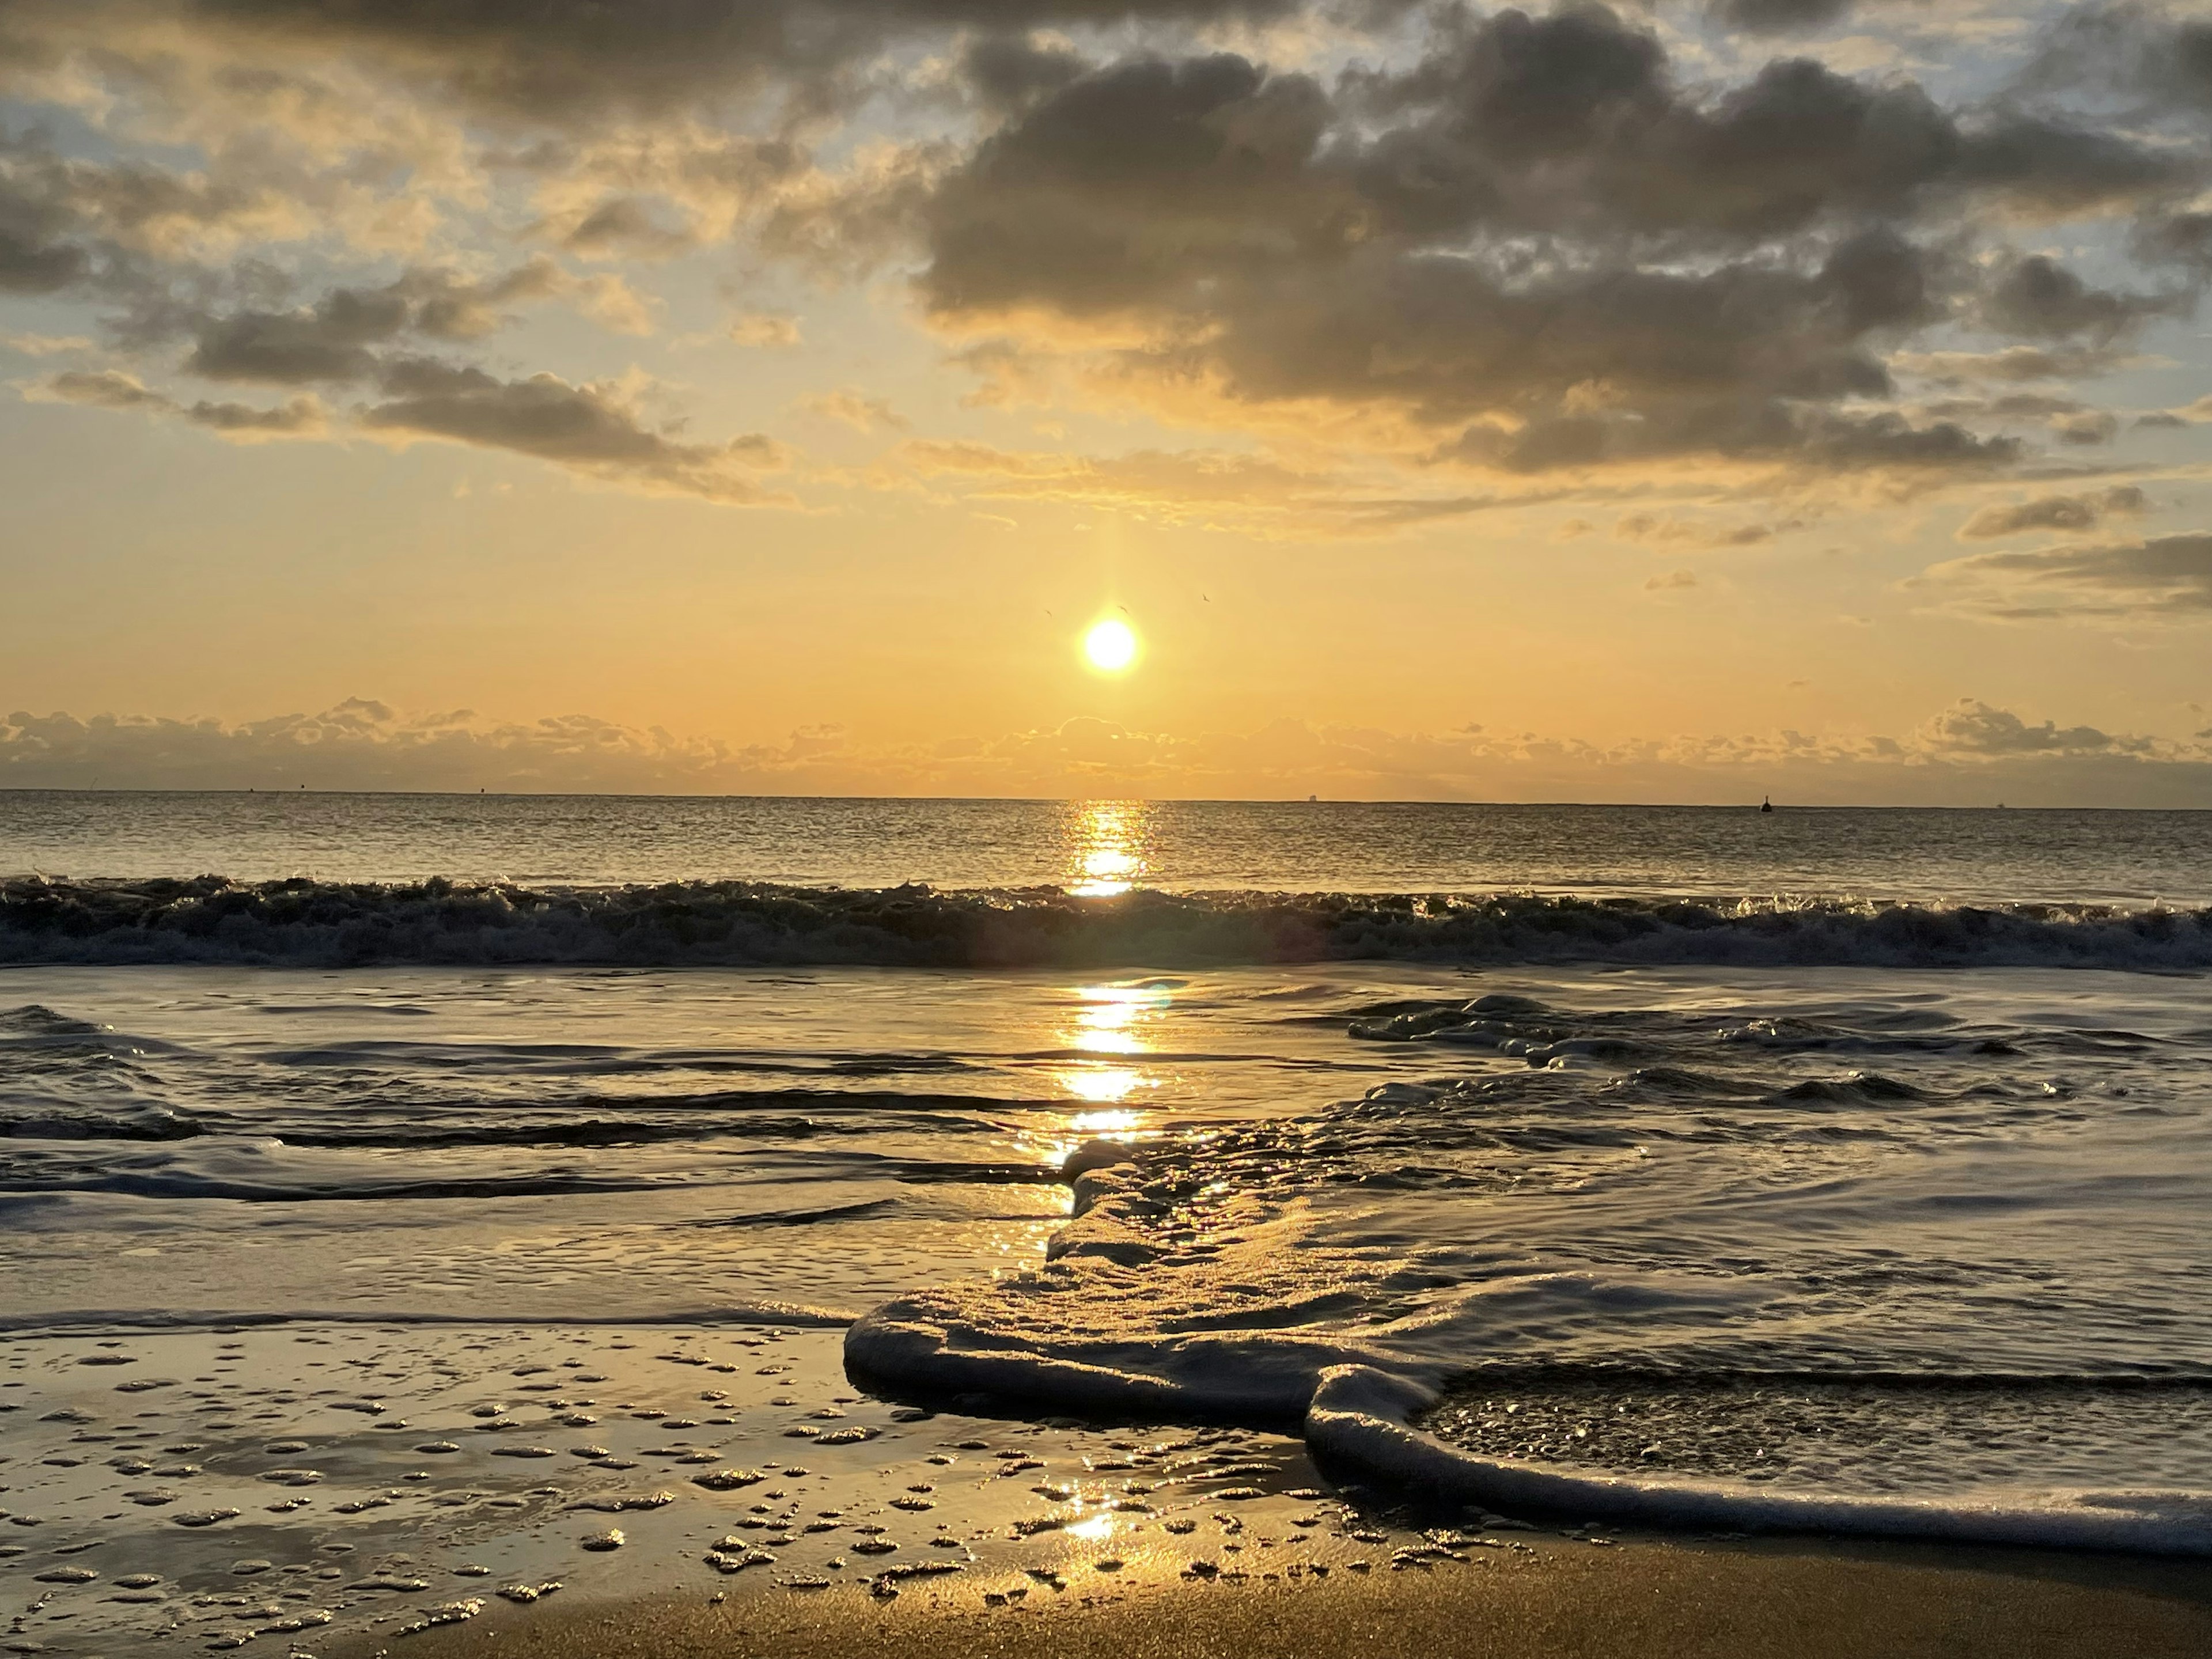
(586, 429)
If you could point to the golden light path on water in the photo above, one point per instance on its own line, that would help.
(1105, 1030)
(1107, 842)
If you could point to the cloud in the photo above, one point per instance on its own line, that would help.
(624, 225)
(1574, 247)
(2070, 513)
(2041, 300)
(2090, 426)
(574, 63)
(2013, 365)
(1966, 754)
(46, 345)
(592, 429)
(1779, 16)
(299, 417)
(1653, 527)
(862, 413)
(1256, 494)
(332, 340)
(1538, 234)
(67, 221)
(2167, 577)
(1670, 581)
(765, 328)
(1973, 727)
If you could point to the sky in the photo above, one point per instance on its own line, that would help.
(1687, 402)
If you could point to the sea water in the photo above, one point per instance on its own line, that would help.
(1851, 1154)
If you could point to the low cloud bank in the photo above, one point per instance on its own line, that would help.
(1969, 754)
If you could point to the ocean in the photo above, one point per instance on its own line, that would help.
(1851, 1161)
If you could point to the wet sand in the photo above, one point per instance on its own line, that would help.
(1643, 1599)
(293, 1486)
(337, 1490)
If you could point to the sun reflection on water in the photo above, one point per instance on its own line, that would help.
(1106, 841)
(1116, 1024)
(1106, 1123)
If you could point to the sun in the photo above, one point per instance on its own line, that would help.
(1110, 646)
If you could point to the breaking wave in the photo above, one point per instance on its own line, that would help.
(303, 922)
(1131, 1316)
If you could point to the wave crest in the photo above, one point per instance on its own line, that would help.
(210, 919)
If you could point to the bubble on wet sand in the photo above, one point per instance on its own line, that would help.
(205, 1517)
(728, 1479)
(452, 1613)
(620, 1503)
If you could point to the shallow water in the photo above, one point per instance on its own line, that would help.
(1863, 1437)
(1949, 1172)
(579, 1144)
(1595, 1154)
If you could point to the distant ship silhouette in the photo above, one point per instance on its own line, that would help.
(1766, 803)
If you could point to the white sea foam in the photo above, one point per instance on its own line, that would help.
(1264, 1322)
(1360, 1419)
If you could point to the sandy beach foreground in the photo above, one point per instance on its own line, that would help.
(339, 1490)
(1801, 1600)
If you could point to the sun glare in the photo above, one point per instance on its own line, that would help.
(1111, 646)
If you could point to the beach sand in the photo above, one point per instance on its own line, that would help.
(344, 1488)
(1791, 1601)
